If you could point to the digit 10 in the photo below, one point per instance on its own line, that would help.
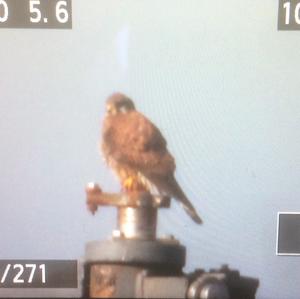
(287, 7)
(4, 17)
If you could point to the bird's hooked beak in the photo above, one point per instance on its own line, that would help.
(110, 110)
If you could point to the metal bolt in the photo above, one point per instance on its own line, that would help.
(116, 233)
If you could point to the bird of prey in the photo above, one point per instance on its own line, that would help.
(136, 150)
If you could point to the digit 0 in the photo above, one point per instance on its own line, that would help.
(4, 6)
(297, 16)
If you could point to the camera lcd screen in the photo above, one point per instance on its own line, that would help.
(219, 82)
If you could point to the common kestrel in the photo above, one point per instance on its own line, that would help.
(136, 150)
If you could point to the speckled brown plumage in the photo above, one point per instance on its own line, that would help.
(135, 148)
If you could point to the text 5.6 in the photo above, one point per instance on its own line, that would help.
(35, 14)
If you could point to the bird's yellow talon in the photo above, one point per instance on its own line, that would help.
(128, 183)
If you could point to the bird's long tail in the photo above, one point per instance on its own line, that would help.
(172, 188)
(189, 208)
(187, 205)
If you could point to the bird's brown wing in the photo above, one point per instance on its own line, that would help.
(133, 140)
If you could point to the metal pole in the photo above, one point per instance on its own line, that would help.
(137, 222)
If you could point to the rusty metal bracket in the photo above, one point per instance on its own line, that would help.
(96, 197)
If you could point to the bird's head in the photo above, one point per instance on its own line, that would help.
(119, 103)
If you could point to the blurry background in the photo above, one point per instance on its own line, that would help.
(216, 77)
